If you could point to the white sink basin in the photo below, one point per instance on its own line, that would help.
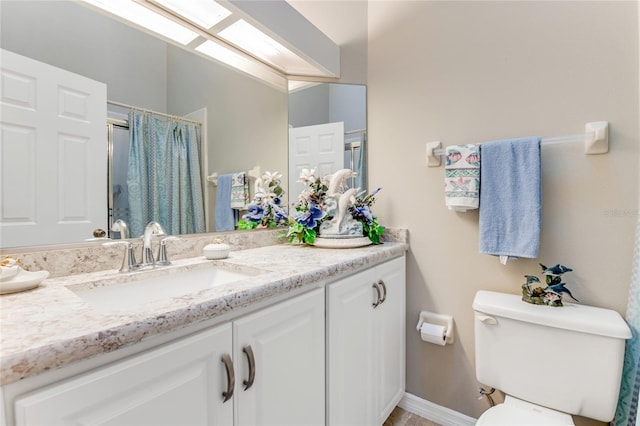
(146, 288)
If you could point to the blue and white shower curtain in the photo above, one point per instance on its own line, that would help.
(163, 176)
(627, 412)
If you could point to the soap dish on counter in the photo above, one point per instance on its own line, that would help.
(17, 279)
(216, 250)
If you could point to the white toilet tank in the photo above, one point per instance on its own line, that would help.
(565, 358)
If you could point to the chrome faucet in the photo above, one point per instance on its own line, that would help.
(129, 263)
(121, 227)
(152, 228)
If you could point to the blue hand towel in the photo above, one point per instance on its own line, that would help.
(510, 198)
(224, 215)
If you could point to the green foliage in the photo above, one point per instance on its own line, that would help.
(246, 224)
(301, 234)
(373, 231)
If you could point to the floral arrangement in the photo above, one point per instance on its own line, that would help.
(265, 211)
(311, 210)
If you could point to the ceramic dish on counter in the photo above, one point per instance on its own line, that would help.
(8, 272)
(217, 250)
(20, 280)
(340, 243)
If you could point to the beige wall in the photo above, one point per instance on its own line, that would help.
(464, 72)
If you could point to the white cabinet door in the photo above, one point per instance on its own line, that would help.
(390, 320)
(178, 384)
(351, 363)
(52, 143)
(287, 346)
(366, 345)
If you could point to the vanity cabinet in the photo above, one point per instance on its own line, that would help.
(178, 383)
(288, 343)
(275, 356)
(366, 345)
(333, 355)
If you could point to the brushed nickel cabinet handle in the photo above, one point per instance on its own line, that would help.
(252, 367)
(231, 378)
(379, 296)
(384, 289)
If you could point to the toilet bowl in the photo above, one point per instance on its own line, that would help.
(515, 412)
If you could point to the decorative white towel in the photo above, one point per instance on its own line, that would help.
(462, 177)
(239, 190)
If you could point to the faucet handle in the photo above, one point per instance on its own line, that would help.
(163, 260)
(129, 260)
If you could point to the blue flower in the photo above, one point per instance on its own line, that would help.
(311, 217)
(256, 213)
(362, 212)
(279, 214)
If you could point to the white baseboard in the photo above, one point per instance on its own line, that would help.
(434, 412)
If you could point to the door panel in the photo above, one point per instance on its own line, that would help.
(390, 328)
(351, 382)
(52, 147)
(178, 384)
(287, 341)
(319, 147)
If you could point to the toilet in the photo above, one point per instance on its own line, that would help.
(551, 362)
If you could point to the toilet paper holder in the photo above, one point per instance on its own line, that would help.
(438, 319)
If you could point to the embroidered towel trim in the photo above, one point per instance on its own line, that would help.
(462, 177)
(511, 198)
(239, 190)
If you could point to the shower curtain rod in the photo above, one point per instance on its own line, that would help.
(353, 132)
(174, 117)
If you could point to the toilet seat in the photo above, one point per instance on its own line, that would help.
(515, 412)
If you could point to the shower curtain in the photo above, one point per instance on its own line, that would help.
(627, 412)
(163, 176)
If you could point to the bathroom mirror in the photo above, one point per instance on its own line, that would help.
(246, 119)
(327, 131)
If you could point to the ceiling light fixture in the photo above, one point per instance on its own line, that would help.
(268, 40)
(147, 19)
(220, 53)
(205, 13)
(249, 38)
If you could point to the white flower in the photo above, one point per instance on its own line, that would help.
(305, 194)
(269, 177)
(306, 176)
(269, 197)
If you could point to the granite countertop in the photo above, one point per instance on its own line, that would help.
(51, 326)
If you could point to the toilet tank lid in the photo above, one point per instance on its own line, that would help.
(572, 316)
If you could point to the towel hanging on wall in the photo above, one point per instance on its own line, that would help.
(462, 177)
(225, 216)
(511, 198)
(239, 190)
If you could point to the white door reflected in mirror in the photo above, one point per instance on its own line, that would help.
(319, 147)
(52, 143)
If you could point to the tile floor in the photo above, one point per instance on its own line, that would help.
(400, 417)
